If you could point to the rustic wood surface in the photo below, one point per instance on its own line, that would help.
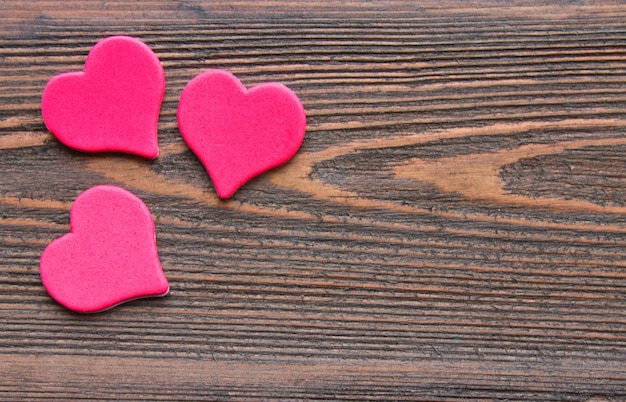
(453, 227)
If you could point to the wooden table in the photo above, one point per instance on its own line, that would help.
(452, 228)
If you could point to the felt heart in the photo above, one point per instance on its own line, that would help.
(109, 256)
(238, 133)
(113, 104)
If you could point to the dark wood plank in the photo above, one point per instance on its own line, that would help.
(453, 227)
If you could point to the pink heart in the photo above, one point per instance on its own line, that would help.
(109, 256)
(238, 133)
(113, 104)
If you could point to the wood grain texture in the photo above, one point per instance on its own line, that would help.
(453, 227)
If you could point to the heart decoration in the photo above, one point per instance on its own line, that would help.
(113, 104)
(239, 133)
(109, 257)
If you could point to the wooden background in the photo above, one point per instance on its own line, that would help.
(453, 227)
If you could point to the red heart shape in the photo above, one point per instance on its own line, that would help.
(113, 104)
(109, 256)
(238, 133)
